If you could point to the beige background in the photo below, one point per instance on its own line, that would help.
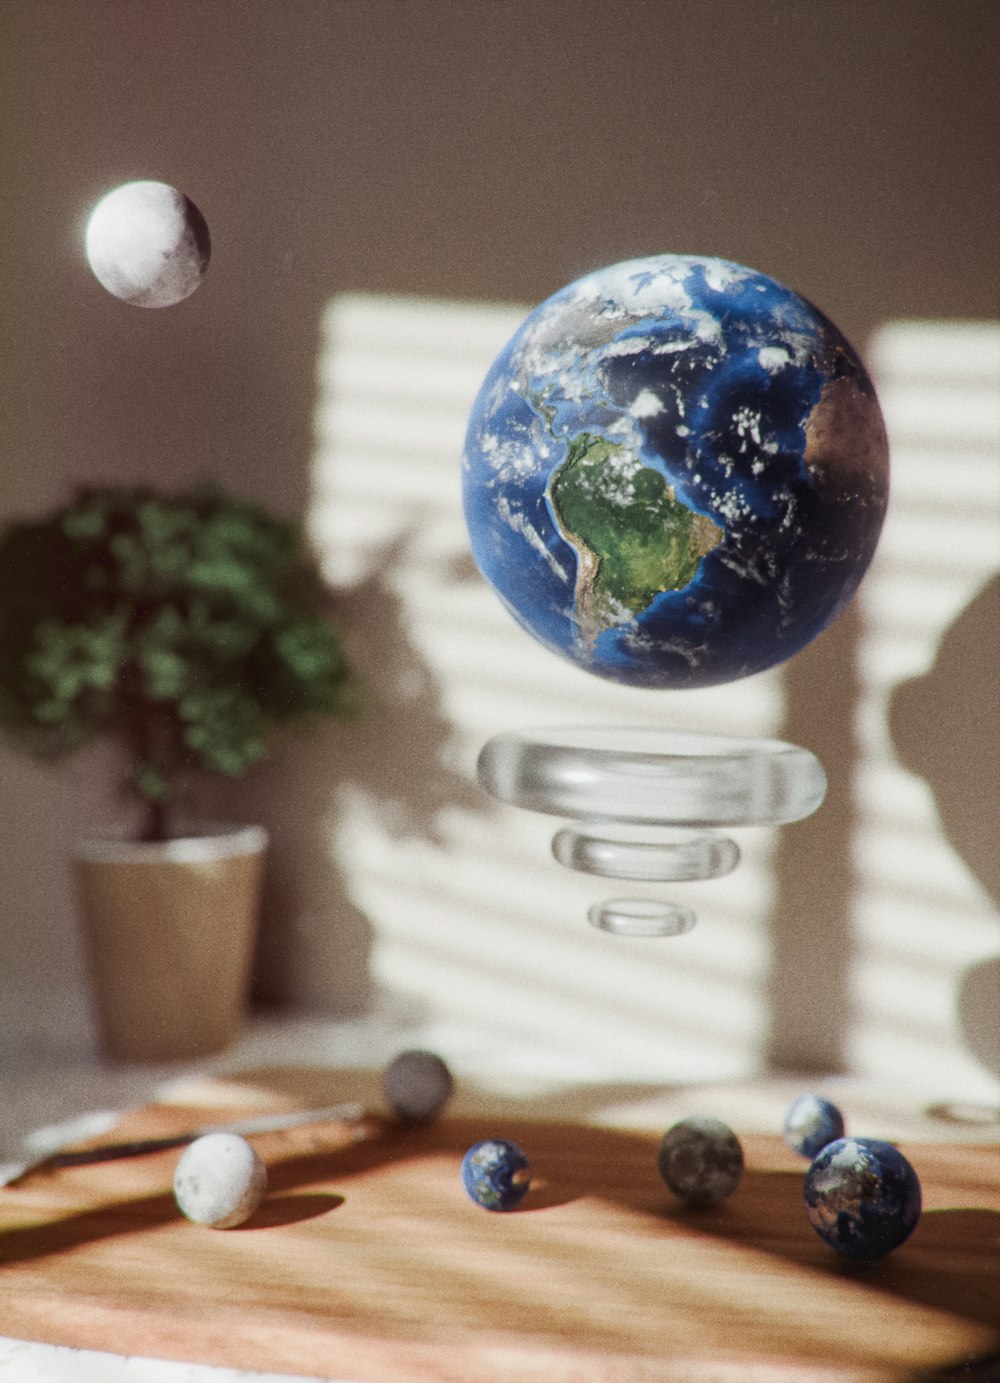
(473, 151)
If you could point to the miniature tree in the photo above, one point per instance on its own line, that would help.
(185, 626)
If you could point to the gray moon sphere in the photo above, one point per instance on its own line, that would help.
(148, 244)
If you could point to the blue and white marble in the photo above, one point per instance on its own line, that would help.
(862, 1197)
(675, 473)
(496, 1174)
(810, 1123)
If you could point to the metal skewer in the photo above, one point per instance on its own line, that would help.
(349, 1112)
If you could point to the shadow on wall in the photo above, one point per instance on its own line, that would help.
(315, 944)
(945, 726)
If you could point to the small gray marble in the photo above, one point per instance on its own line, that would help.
(701, 1160)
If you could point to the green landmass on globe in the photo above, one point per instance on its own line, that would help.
(632, 535)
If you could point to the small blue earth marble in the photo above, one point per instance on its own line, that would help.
(496, 1174)
(701, 1160)
(811, 1123)
(862, 1197)
(676, 472)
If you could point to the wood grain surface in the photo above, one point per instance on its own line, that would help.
(367, 1261)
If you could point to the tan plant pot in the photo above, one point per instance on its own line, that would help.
(169, 930)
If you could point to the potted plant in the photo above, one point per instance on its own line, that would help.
(186, 627)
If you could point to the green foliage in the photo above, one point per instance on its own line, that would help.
(185, 625)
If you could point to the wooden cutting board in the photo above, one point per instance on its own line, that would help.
(367, 1261)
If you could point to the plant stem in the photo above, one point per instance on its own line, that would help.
(154, 824)
(151, 744)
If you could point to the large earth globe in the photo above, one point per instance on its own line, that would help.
(676, 472)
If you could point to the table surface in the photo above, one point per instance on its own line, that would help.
(367, 1261)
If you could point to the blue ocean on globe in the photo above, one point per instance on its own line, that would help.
(676, 472)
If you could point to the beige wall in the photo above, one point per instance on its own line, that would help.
(471, 150)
